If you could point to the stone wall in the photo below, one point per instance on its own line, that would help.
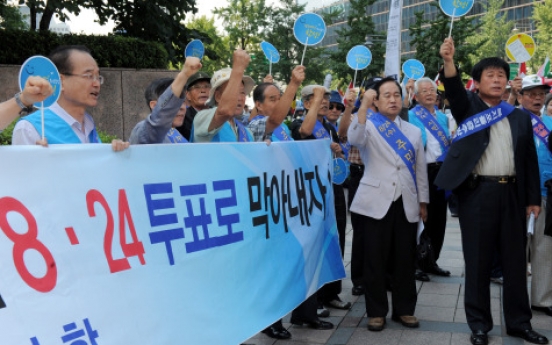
(121, 104)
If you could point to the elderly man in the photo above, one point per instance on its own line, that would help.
(36, 90)
(197, 93)
(67, 122)
(229, 87)
(436, 140)
(492, 166)
(164, 98)
(532, 96)
(390, 201)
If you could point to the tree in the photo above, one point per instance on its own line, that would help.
(429, 35)
(542, 15)
(50, 7)
(244, 20)
(10, 17)
(359, 27)
(217, 52)
(158, 21)
(493, 34)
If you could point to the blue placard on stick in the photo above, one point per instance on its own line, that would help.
(270, 51)
(40, 66)
(359, 57)
(413, 69)
(195, 49)
(456, 8)
(340, 171)
(309, 29)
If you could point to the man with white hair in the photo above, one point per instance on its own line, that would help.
(229, 87)
(436, 140)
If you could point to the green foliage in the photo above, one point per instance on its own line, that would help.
(542, 15)
(50, 7)
(493, 34)
(429, 35)
(109, 51)
(219, 44)
(105, 137)
(359, 26)
(156, 21)
(6, 134)
(10, 17)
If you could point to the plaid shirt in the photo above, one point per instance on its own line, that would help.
(258, 128)
(354, 156)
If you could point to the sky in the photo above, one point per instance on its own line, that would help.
(84, 23)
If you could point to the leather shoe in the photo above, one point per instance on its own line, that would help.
(421, 276)
(315, 324)
(376, 324)
(479, 338)
(277, 332)
(321, 311)
(439, 271)
(358, 290)
(406, 320)
(528, 335)
(546, 310)
(339, 304)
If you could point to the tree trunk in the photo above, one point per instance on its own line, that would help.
(32, 17)
(46, 18)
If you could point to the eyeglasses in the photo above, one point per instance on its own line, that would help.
(337, 106)
(427, 92)
(89, 76)
(205, 87)
(389, 96)
(534, 94)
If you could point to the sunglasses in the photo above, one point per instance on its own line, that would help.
(337, 106)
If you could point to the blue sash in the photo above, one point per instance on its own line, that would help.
(320, 132)
(483, 120)
(539, 129)
(432, 125)
(344, 147)
(57, 130)
(175, 137)
(397, 140)
(280, 133)
(242, 132)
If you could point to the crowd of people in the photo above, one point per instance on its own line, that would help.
(404, 159)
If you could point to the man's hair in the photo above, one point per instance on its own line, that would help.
(386, 80)
(156, 89)
(486, 63)
(60, 57)
(258, 93)
(424, 80)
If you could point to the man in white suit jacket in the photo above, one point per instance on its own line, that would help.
(391, 198)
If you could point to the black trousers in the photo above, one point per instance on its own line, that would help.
(436, 222)
(330, 291)
(357, 249)
(490, 216)
(389, 245)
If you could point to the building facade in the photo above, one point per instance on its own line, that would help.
(518, 11)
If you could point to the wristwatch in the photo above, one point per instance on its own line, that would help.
(19, 102)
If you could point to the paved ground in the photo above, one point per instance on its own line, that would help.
(440, 309)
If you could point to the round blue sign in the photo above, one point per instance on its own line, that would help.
(456, 8)
(309, 29)
(195, 49)
(359, 57)
(340, 171)
(40, 66)
(270, 51)
(413, 69)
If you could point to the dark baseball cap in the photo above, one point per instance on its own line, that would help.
(197, 76)
(370, 83)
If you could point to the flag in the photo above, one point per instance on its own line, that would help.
(544, 70)
(349, 89)
(470, 86)
(522, 71)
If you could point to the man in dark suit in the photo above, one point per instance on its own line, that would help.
(492, 167)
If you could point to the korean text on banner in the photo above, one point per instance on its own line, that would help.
(159, 244)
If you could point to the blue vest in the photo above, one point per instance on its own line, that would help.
(226, 134)
(544, 156)
(441, 118)
(57, 130)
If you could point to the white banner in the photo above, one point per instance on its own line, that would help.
(393, 48)
(161, 244)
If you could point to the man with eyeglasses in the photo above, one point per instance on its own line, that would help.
(197, 94)
(436, 139)
(532, 95)
(67, 121)
(493, 169)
